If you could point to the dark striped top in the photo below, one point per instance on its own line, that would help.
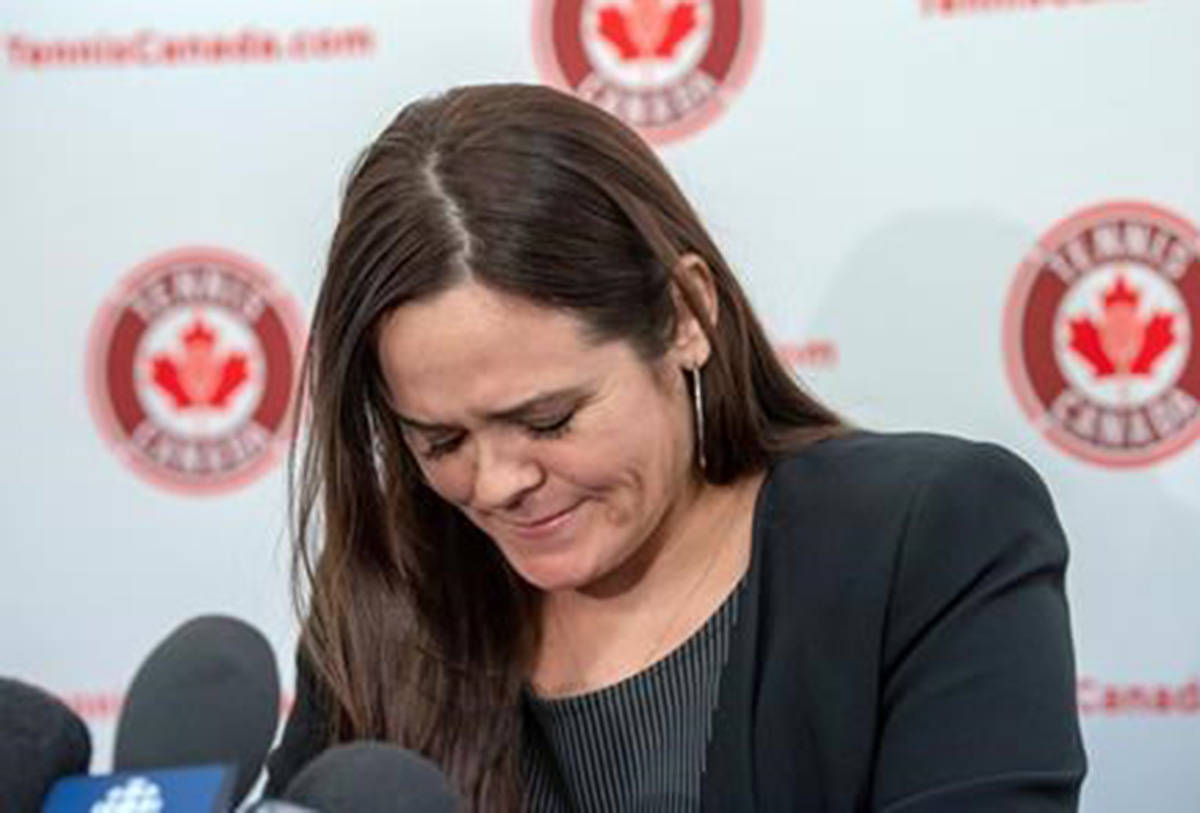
(638, 745)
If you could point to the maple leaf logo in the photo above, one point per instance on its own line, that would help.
(199, 377)
(1121, 342)
(648, 28)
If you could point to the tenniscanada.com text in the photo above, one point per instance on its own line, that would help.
(151, 48)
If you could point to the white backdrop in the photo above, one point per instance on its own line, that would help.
(878, 180)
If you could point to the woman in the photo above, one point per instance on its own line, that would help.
(568, 528)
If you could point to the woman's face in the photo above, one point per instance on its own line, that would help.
(567, 453)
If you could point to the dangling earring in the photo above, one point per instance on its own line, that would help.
(698, 408)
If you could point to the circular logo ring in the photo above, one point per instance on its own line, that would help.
(1100, 334)
(191, 369)
(666, 67)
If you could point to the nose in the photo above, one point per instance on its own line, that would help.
(504, 474)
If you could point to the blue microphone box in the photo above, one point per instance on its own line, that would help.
(196, 789)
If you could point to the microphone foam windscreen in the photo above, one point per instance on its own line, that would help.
(41, 740)
(372, 777)
(209, 693)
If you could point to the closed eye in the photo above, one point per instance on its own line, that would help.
(442, 446)
(553, 428)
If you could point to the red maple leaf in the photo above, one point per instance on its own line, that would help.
(1085, 340)
(1119, 341)
(199, 376)
(648, 29)
(1159, 336)
(166, 376)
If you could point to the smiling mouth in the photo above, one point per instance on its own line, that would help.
(546, 520)
(546, 523)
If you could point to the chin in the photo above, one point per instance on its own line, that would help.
(553, 573)
(567, 567)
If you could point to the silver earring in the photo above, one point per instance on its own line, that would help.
(698, 408)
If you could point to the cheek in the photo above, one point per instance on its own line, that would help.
(624, 466)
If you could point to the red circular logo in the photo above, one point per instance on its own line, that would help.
(666, 68)
(1101, 336)
(191, 369)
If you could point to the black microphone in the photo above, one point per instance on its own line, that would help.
(372, 777)
(41, 740)
(209, 693)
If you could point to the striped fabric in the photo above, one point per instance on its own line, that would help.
(638, 745)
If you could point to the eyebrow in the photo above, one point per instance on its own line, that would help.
(508, 414)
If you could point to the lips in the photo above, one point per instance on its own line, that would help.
(545, 525)
(546, 519)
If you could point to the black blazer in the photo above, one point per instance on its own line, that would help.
(902, 645)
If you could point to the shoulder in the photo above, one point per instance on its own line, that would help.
(908, 472)
(923, 513)
(939, 486)
(943, 524)
(899, 462)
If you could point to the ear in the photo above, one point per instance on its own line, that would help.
(695, 297)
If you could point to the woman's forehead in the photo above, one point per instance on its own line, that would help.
(472, 347)
(470, 321)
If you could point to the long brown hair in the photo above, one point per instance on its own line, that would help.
(416, 628)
